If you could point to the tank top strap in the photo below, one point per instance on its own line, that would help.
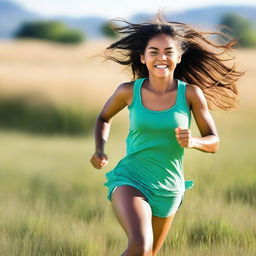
(182, 102)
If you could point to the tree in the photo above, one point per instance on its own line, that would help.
(240, 28)
(108, 29)
(49, 30)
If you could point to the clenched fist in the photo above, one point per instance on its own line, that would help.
(99, 160)
(184, 137)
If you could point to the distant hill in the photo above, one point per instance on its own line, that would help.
(12, 15)
(208, 16)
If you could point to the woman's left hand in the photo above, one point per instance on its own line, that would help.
(184, 137)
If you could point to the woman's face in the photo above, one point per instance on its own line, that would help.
(161, 55)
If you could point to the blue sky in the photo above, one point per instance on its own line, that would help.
(117, 8)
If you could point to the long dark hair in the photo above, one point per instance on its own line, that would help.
(201, 63)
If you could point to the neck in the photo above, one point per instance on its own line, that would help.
(161, 85)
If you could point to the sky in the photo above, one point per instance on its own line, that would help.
(117, 8)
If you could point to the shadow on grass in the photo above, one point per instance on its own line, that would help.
(211, 232)
(219, 232)
(43, 118)
(245, 194)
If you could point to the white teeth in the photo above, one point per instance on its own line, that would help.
(161, 66)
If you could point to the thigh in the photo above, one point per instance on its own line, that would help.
(133, 213)
(161, 226)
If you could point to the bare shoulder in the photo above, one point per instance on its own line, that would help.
(193, 89)
(117, 101)
(195, 95)
(125, 87)
(125, 90)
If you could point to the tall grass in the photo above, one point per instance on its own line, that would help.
(54, 203)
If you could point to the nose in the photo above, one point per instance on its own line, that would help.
(162, 56)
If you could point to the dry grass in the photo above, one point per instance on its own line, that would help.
(72, 74)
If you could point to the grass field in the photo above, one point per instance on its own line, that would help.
(52, 202)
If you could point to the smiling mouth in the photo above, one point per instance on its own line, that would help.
(161, 66)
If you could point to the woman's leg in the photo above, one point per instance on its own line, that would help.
(161, 227)
(134, 214)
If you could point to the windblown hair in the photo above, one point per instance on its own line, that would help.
(201, 63)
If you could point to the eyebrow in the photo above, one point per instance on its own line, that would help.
(155, 48)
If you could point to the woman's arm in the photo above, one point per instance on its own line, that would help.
(102, 127)
(209, 142)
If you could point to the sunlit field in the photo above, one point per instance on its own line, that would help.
(53, 202)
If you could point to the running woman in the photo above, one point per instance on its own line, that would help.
(176, 70)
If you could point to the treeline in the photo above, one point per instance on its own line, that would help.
(236, 26)
(240, 28)
(49, 30)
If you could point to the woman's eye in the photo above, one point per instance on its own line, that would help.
(153, 53)
(169, 53)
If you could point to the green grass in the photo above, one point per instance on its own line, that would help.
(52, 202)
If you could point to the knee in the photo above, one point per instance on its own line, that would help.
(141, 247)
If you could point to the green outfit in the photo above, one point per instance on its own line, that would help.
(154, 159)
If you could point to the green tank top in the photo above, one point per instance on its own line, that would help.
(154, 157)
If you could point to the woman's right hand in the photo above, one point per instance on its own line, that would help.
(99, 160)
